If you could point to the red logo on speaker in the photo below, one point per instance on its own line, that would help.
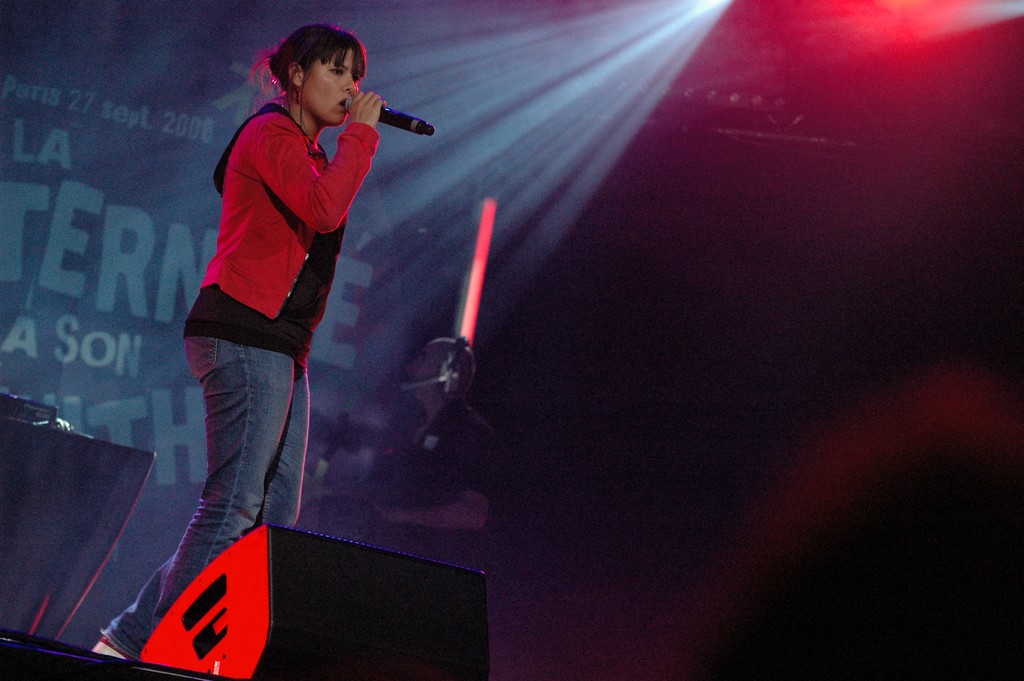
(209, 636)
(221, 623)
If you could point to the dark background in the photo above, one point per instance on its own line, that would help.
(722, 298)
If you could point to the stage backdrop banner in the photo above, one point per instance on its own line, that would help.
(110, 126)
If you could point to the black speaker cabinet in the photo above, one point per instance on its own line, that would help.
(64, 501)
(285, 604)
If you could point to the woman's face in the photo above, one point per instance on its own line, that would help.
(325, 88)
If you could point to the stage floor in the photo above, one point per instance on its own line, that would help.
(28, 658)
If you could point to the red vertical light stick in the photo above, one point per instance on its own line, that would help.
(469, 308)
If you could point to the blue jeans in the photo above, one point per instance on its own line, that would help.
(257, 420)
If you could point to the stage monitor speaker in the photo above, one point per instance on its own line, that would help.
(64, 501)
(282, 602)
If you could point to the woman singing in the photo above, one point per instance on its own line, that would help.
(248, 335)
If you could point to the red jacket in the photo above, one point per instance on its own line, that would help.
(277, 196)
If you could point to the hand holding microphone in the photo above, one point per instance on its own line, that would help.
(397, 119)
(364, 107)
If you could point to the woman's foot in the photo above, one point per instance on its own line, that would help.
(105, 647)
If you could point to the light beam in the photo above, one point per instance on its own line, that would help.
(533, 106)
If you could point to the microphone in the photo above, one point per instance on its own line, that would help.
(397, 119)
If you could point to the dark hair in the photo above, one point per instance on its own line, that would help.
(322, 42)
